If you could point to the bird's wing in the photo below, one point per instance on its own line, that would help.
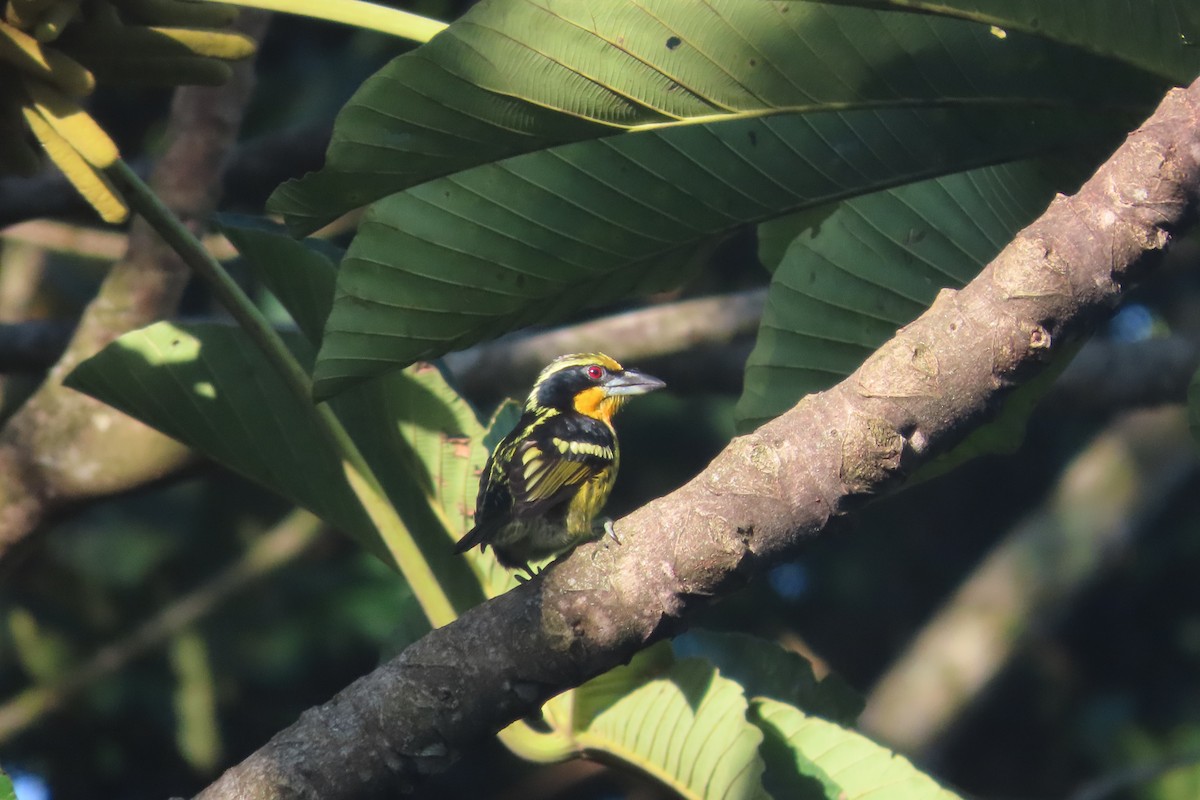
(494, 503)
(548, 468)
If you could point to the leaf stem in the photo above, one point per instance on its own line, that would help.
(405, 553)
(368, 16)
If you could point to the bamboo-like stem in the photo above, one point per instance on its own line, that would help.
(395, 534)
(368, 16)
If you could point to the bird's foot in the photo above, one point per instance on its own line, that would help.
(611, 531)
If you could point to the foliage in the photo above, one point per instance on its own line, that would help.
(53, 54)
(454, 260)
(535, 160)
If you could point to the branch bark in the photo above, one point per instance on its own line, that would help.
(62, 446)
(759, 499)
(488, 372)
(256, 167)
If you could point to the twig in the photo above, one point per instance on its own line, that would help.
(89, 242)
(278, 546)
(759, 499)
(257, 167)
(507, 366)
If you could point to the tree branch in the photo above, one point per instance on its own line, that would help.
(256, 168)
(62, 446)
(759, 499)
(489, 372)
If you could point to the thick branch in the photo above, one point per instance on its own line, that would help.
(758, 500)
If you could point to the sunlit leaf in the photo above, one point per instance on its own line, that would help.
(846, 764)
(211, 388)
(687, 728)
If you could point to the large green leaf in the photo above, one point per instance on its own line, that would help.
(847, 765)
(424, 440)
(7, 792)
(584, 703)
(211, 388)
(514, 77)
(844, 287)
(421, 438)
(764, 669)
(688, 728)
(643, 712)
(301, 274)
(1160, 36)
(537, 237)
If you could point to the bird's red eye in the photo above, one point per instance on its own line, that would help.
(595, 372)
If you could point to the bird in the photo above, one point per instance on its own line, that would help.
(545, 483)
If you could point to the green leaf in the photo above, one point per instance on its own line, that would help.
(422, 439)
(510, 78)
(848, 765)
(777, 235)
(301, 274)
(7, 792)
(44, 653)
(600, 693)
(210, 387)
(535, 238)
(843, 288)
(764, 669)
(412, 431)
(1160, 36)
(688, 729)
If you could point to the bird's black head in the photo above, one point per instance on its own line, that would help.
(590, 383)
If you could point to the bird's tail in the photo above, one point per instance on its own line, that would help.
(478, 535)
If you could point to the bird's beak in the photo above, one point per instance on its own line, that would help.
(631, 381)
